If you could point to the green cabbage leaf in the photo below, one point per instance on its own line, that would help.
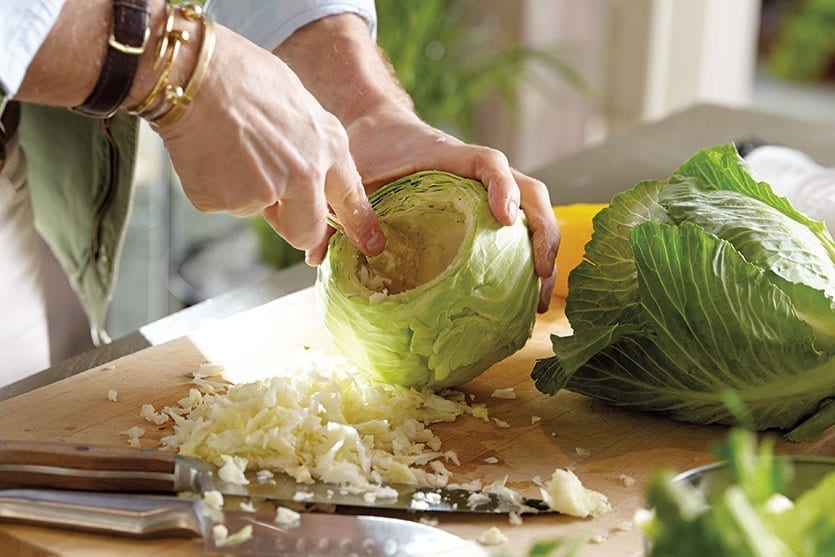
(699, 285)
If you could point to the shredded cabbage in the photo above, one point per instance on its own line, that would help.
(318, 419)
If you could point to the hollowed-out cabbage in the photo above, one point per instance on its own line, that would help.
(470, 302)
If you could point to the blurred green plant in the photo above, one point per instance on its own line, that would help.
(449, 60)
(805, 46)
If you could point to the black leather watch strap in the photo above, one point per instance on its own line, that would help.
(8, 127)
(128, 39)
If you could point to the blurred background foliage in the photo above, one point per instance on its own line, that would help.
(449, 56)
(800, 43)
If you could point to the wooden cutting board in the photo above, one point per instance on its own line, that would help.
(607, 448)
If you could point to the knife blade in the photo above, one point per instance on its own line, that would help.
(148, 516)
(90, 467)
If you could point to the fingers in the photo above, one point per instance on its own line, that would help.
(346, 196)
(545, 235)
(315, 255)
(297, 220)
(300, 216)
(491, 168)
(299, 212)
(507, 191)
(546, 290)
(541, 220)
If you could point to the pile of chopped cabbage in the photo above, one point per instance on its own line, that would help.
(318, 419)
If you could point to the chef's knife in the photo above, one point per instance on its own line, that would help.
(86, 467)
(147, 516)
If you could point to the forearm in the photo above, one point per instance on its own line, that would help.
(68, 63)
(340, 64)
(66, 66)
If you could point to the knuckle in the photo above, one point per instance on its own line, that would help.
(305, 170)
(487, 159)
(532, 187)
(333, 133)
(200, 201)
(348, 196)
(538, 187)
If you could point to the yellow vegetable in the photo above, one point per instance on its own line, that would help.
(575, 222)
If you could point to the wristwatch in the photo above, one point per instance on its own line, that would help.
(128, 38)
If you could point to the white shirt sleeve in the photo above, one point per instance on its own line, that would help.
(23, 27)
(268, 23)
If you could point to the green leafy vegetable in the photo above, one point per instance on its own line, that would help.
(809, 527)
(732, 513)
(701, 284)
(471, 293)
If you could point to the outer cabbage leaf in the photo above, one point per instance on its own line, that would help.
(722, 167)
(701, 284)
(788, 249)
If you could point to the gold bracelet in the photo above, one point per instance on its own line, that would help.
(176, 99)
(172, 39)
(167, 51)
(166, 31)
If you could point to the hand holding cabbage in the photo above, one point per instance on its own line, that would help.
(412, 145)
(388, 140)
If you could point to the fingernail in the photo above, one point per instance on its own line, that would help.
(544, 303)
(376, 242)
(313, 258)
(512, 209)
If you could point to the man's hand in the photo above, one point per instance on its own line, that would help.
(412, 145)
(255, 141)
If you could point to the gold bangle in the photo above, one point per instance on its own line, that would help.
(178, 98)
(173, 39)
(167, 51)
(166, 31)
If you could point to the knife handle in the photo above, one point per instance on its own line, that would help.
(135, 516)
(81, 466)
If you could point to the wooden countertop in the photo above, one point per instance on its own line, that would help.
(602, 444)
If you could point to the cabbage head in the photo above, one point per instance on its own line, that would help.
(699, 286)
(459, 294)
